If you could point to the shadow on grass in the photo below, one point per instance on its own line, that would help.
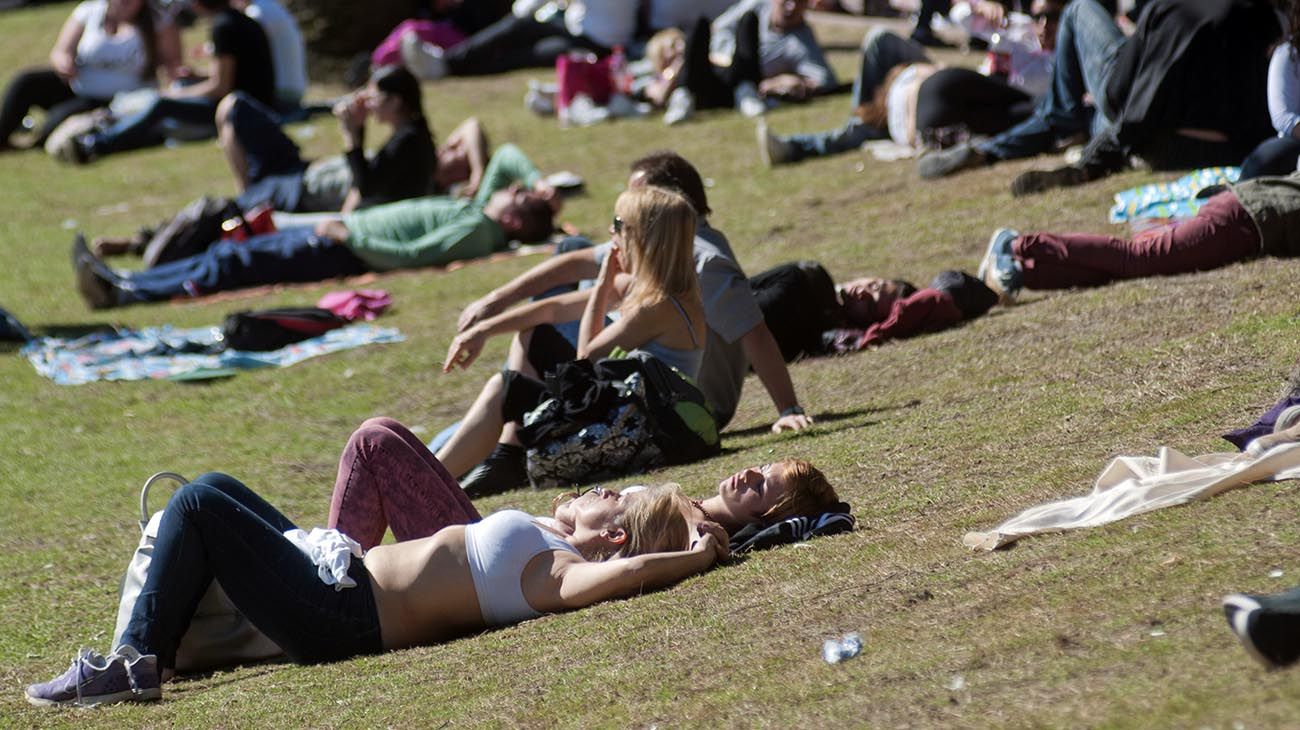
(62, 330)
(217, 676)
(825, 422)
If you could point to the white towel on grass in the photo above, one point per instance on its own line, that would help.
(1131, 485)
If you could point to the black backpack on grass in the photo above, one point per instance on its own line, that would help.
(270, 329)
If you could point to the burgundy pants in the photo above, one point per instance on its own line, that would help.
(1221, 233)
(389, 478)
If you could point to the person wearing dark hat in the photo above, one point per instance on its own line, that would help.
(810, 315)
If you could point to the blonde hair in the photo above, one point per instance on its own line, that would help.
(660, 44)
(807, 492)
(659, 251)
(655, 522)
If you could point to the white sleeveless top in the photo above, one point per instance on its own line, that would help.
(107, 64)
(499, 548)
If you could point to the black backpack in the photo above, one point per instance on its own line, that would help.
(192, 230)
(270, 329)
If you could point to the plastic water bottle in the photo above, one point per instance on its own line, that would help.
(835, 651)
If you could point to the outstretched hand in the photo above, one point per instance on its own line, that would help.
(476, 312)
(464, 350)
(792, 422)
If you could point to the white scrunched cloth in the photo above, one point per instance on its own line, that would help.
(1131, 485)
(331, 551)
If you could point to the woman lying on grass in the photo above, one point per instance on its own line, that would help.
(460, 580)
(387, 478)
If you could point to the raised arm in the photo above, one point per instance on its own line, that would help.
(467, 345)
(574, 583)
(470, 137)
(566, 268)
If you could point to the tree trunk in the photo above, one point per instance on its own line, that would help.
(340, 29)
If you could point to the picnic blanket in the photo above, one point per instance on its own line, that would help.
(1131, 485)
(157, 353)
(1170, 200)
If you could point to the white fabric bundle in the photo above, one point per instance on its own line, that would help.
(1131, 485)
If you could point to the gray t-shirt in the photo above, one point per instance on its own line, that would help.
(731, 311)
(779, 52)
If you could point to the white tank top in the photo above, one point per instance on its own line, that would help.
(499, 548)
(107, 64)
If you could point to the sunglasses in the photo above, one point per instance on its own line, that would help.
(617, 225)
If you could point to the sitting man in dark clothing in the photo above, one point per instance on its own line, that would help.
(241, 61)
(431, 231)
(809, 315)
(1187, 90)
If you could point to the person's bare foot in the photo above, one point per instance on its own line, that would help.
(109, 246)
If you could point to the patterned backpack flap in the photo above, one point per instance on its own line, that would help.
(683, 425)
(622, 444)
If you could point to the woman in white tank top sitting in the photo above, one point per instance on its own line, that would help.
(649, 280)
(461, 580)
(105, 47)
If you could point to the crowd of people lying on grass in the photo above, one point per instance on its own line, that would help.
(628, 354)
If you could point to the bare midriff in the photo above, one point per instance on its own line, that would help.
(424, 592)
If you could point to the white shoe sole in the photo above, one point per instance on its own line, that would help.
(1240, 622)
(116, 697)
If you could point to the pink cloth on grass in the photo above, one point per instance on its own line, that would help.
(441, 34)
(352, 305)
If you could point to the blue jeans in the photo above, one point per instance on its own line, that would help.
(1274, 156)
(275, 164)
(881, 51)
(291, 255)
(215, 528)
(149, 126)
(1087, 42)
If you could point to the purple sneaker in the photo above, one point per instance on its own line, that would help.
(94, 679)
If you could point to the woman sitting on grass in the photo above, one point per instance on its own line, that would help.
(269, 168)
(461, 580)
(387, 478)
(649, 278)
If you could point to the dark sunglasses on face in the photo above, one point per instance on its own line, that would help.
(617, 225)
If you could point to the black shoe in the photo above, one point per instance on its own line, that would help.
(502, 471)
(95, 281)
(1038, 181)
(927, 38)
(1271, 637)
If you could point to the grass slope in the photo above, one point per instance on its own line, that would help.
(928, 438)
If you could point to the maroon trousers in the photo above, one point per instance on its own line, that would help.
(389, 478)
(1221, 233)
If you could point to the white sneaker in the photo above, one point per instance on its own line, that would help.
(748, 102)
(681, 104)
(423, 59)
(771, 148)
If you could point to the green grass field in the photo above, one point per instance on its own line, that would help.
(927, 438)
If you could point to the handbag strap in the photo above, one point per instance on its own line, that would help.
(144, 492)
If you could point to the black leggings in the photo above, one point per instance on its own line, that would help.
(714, 86)
(512, 43)
(954, 96)
(215, 528)
(43, 88)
